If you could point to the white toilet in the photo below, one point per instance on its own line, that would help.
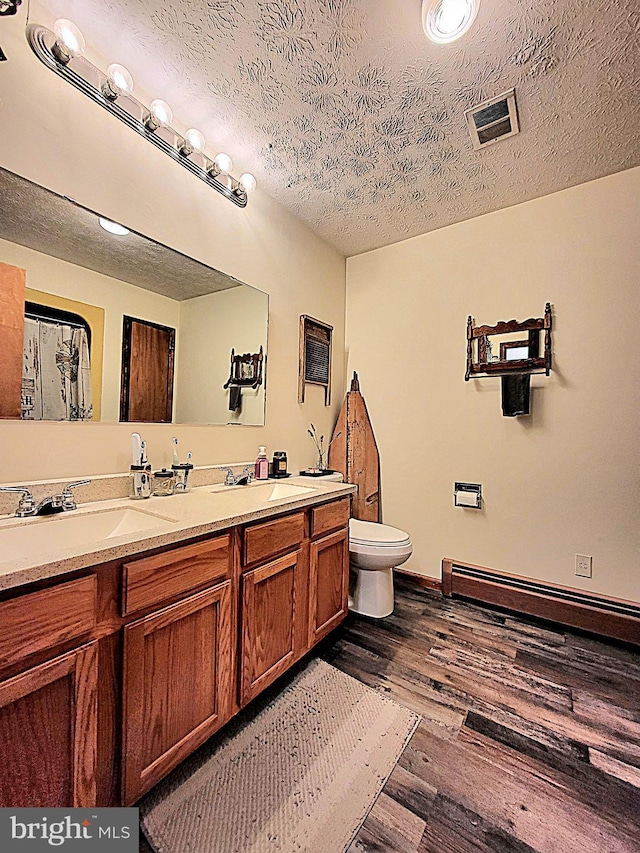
(374, 551)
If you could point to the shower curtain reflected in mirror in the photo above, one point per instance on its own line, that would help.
(56, 374)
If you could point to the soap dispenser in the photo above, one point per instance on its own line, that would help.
(262, 464)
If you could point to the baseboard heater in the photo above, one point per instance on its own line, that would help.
(599, 614)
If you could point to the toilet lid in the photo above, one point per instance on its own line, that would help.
(363, 532)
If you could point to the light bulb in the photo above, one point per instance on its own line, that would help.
(445, 21)
(248, 182)
(161, 111)
(193, 141)
(118, 82)
(160, 115)
(120, 78)
(224, 163)
(69, 41)
(113, 227)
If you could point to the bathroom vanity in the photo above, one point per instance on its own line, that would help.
(120, 657)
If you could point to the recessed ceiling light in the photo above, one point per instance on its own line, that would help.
(446, 20)
(113, 227)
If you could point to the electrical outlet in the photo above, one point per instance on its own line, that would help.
(584, 566)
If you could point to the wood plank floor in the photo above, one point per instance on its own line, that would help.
(529, 740)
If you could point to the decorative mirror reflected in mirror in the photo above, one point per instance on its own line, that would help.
(103, 325)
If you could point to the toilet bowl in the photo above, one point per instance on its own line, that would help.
(374, 551)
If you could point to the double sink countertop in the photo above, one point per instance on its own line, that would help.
(32, 549)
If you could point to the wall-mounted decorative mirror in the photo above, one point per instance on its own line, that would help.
(75, 356)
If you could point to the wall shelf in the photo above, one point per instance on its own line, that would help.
(481, 363)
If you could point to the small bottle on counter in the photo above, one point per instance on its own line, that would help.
(279, 464)
(262, 464)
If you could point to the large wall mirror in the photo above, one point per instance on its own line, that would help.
(110, 327)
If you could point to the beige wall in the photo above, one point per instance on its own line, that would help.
(215, 324)
(560, 482)
(53, 135)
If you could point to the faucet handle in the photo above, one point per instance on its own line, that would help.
(229, 479)
(68, 501)
(26, 505)
(74, 484)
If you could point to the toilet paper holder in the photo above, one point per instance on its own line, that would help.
(468, 495)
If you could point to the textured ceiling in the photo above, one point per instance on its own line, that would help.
(350, 118)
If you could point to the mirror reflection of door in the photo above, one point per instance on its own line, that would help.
(146, 391)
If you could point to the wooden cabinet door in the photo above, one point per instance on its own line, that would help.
(269, 605)
(328, 584)
(48, 733)
(177, 685)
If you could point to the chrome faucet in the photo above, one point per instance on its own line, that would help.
(27, 507)
(242, 479)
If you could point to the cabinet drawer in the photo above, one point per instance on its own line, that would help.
(329, 517)
(263, 541)
(156, 579)
(41, 620)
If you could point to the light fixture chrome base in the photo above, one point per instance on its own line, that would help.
(44, 44)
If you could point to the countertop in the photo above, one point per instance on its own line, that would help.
(202, 510)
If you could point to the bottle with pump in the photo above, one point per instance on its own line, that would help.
(262, 464)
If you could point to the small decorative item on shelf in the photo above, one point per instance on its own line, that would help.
(320, 468)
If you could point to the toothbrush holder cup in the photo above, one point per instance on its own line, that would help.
(181, 473)
(140, 482)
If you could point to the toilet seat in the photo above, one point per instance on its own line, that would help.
(368, 533)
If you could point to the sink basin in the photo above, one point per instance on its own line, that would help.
(268, 492)
(288, 490)
(25, 537)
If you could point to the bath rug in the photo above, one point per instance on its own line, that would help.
(300, 777)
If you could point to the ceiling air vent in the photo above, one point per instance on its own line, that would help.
(493, 120)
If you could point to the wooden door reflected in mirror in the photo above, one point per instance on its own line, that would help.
(146, 391)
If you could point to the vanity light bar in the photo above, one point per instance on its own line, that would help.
(44, 43)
